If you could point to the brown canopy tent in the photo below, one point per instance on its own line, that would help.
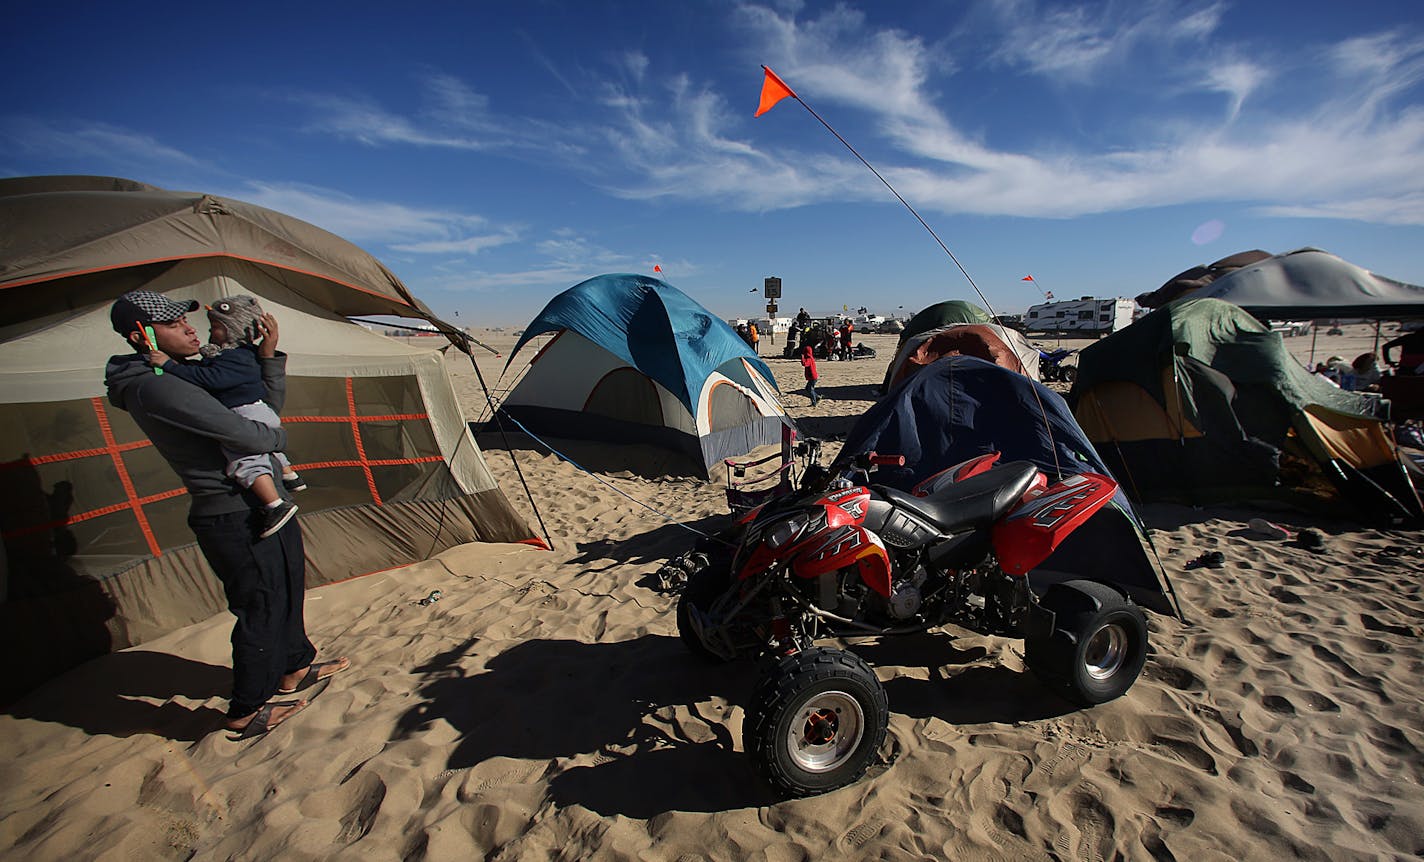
(98, 555)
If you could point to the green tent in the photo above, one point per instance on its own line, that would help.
(943, 314)
(1198, 402)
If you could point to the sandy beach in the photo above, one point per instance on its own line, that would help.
(544, 707)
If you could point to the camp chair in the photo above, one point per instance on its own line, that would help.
(749, 487)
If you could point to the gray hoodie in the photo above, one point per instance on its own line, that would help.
(189, 427)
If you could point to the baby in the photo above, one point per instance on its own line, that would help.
(232, 373)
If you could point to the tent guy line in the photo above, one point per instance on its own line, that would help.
(602, 481)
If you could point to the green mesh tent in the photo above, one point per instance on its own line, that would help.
(1198, 402)
(943, 314)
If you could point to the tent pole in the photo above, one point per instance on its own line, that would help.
(1314, 334)
(504, 436)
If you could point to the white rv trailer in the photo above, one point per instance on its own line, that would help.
(1087, 315)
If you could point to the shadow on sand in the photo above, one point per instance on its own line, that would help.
(552, 699)
(644, 709)
(112, 689)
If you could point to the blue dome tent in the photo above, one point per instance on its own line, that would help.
(635, 360)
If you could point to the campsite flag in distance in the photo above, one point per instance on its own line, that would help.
(1027, 278)
(773, 90)
(657, 268)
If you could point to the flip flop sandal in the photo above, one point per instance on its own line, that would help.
(262, 721)
(1266, 528)
(315, 675)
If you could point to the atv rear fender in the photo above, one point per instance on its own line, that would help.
(1041, 522)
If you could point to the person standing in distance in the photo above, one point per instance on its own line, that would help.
(264, 579)
(808, 363)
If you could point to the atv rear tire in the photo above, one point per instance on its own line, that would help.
(1068, 373)
(816, 720)
(1098, 645)
(703, 588)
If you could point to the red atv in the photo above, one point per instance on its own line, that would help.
(843, 558)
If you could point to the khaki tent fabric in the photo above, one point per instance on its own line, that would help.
(68, 227)
(1125, 412)
(1359, 442)
(98, 554)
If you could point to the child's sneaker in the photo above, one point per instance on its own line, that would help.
(274, 518)
(295, 483)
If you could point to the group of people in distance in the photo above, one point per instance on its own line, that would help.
(826, 338)
(1363, 373)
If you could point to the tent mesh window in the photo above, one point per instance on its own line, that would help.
(79, 475)
(375, 433)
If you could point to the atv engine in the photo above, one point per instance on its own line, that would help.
(844, 593)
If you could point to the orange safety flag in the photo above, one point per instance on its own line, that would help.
(657, 268)
(1027, 278)
(773, 90)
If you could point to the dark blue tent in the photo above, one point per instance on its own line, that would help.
(960, 407)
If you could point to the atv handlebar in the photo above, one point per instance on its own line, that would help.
(875, 459)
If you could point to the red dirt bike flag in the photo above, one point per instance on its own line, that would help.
(657, 268)
(1027, 278)
(773, 90)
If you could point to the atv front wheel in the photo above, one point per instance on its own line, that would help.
(703, 587)
(815, 722)
(1068, 373)
(1098, 645)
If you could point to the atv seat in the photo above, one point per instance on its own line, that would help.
(970, 503)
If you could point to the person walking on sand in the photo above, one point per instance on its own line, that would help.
(754, 337)
(808, 362)
(264, 579)
(847, 332)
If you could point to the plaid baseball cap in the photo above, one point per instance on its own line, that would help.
(142, 307)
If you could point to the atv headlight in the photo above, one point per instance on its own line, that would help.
(785, 532)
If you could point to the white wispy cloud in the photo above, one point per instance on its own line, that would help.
(402, 227)
(367, 123)
(449, 114)
(95, 143)
(1333, 143)
(568, 257)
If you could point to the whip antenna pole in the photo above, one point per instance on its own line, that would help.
(897, 195)
(773, 90)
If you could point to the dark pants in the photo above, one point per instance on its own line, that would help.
(265, 583)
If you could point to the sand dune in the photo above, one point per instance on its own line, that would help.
(544, 708)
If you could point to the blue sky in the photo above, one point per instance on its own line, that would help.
(495, 153)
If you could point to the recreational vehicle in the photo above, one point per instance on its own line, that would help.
(1088, 316)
